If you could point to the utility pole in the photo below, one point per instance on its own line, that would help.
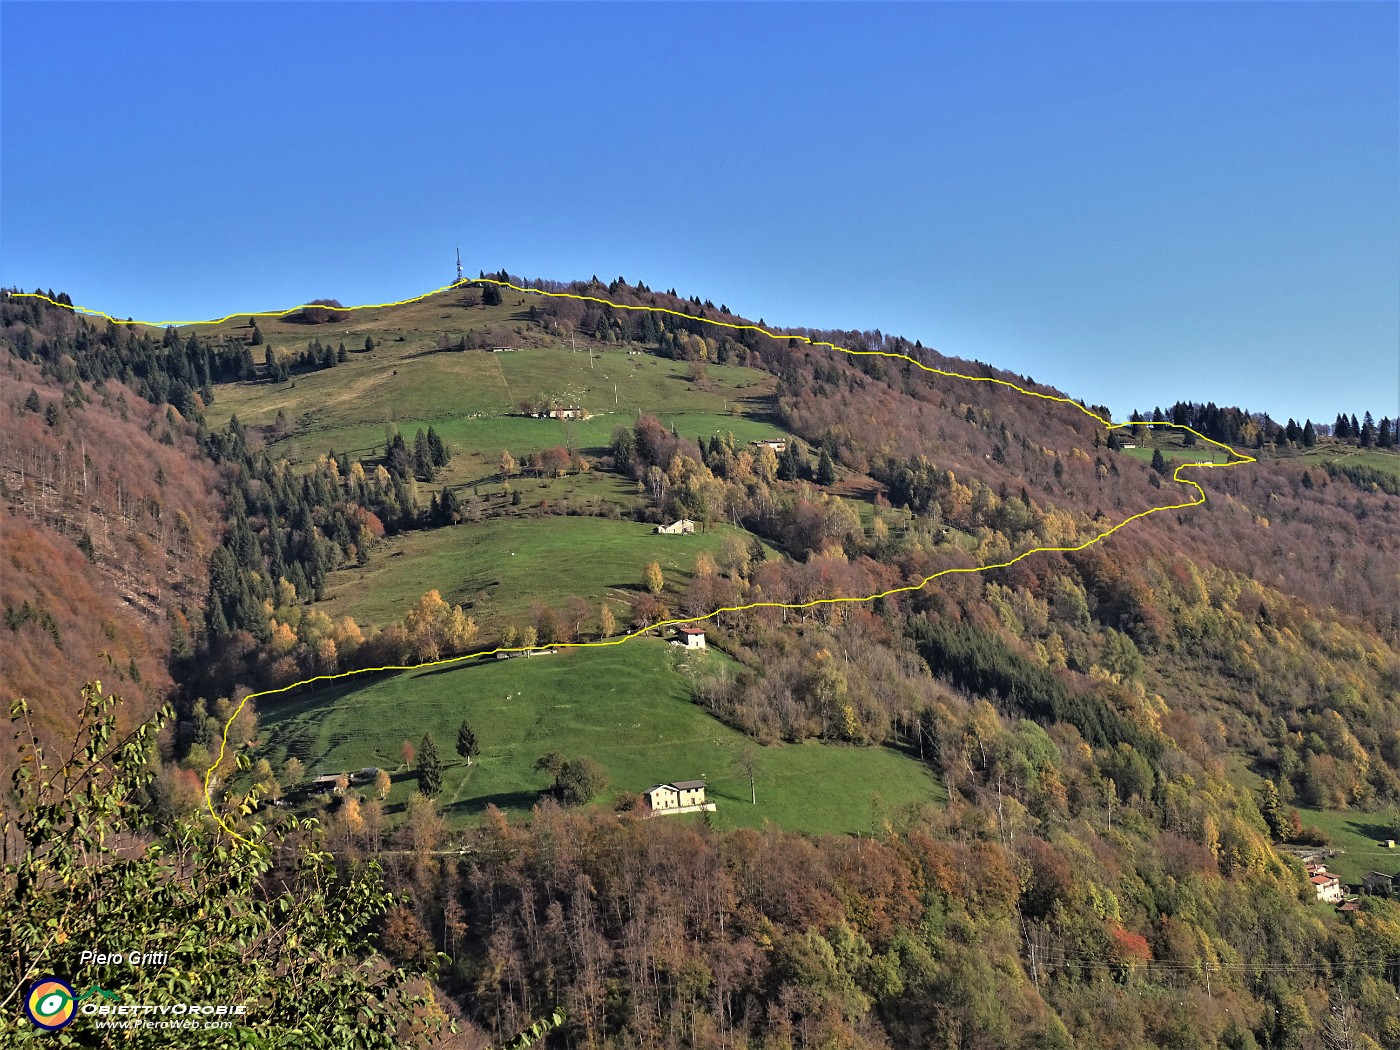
(459, 264)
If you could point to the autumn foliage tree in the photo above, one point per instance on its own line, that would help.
(653, 579)
(436, 629)
(90, 867)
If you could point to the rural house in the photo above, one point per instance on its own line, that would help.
(682, 796)
(692, 637)
(568, 412)
(1328, 887)
(776, 444)
(677, 528)
(330, 784)
(1378, 882)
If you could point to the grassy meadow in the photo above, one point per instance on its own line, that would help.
(500, 567)
(629, 707)
(472, 397)
(1385, 460)
(1361, 834)
(1174, 450)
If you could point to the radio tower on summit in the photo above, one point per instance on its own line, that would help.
(459, 264)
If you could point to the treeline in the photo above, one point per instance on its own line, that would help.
(164, 370)
(1364, 434)
(939, 929)
(1237, 426)
(286, 533)
(279, 367)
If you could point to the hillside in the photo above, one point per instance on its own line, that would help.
(1079, 770)
(100, 560)
(628, 707)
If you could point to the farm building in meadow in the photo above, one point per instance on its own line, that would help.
(677, 528)
(330, 784)
(776, 444)
(565, 412)
(1328, 887)
(692, 637)
(681, 796)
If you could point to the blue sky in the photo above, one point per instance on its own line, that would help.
(1138, 203)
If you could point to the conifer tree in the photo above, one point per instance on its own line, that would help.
(826, 470)
(422, 457)
(429, 767)
(466, 742)
(437, 449)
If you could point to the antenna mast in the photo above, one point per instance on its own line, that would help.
(459, 264)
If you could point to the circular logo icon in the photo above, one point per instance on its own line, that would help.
(51, 1003)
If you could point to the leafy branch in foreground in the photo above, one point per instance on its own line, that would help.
(270, 925)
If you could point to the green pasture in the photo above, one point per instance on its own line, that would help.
(629, 707)
(1343, 455)
(502, 566)
(473, 398)
(1362, 834)
(1178, 453)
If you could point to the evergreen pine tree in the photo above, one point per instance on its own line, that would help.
(1341, 429)
(429, 767)
(369, 343)
(397, 460)
(466, 742)
(790, 463)
(437, 449)
(1159, 461)
(422, 457)
(1368, 432)
(1309, 434)
(826, 470)
(450, 509)
(1386, 437)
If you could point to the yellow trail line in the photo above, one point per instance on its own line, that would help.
(1237, 459)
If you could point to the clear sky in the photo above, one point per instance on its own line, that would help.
(1137, 203)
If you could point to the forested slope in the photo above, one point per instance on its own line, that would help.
(1122, 730)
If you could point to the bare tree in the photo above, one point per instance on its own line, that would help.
(747, 764)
